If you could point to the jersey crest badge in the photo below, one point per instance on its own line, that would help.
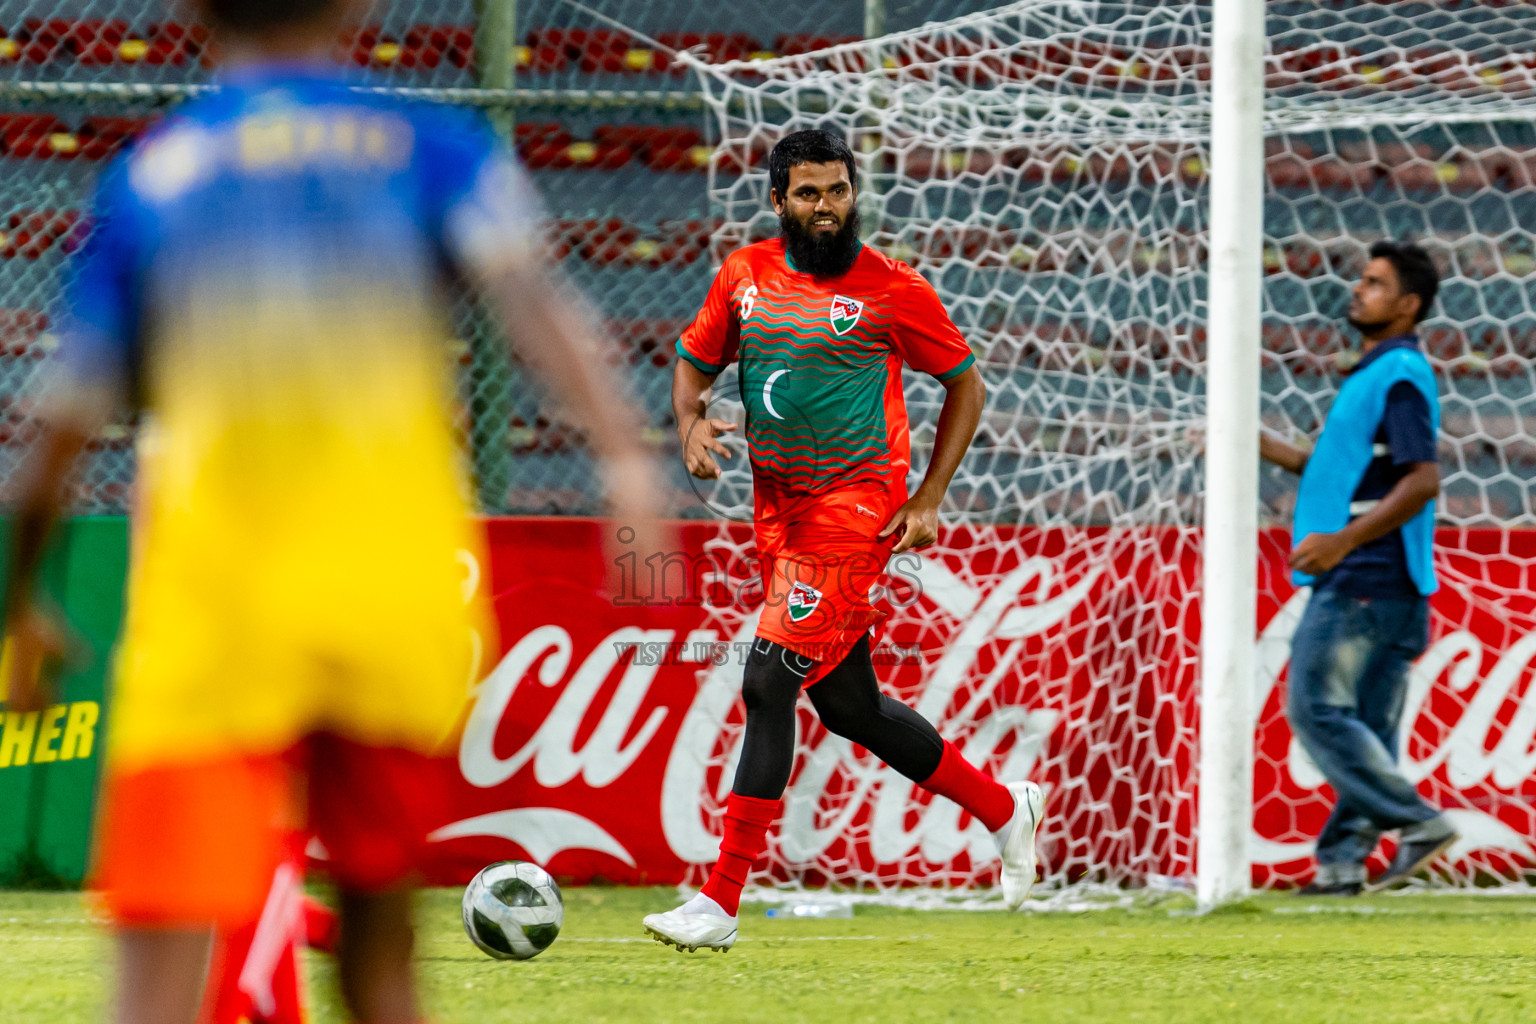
(803, 600)
(845, 313)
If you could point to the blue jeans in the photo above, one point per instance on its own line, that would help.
(1348, 680)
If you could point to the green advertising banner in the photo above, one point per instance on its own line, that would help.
(49, 760)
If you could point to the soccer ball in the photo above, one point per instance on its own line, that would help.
(513, 910)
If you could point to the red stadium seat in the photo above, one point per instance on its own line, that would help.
(432, 45)
(539, 145)
(96, 41)
(43, 39)
(544, 53)
(37, 135)
(100, 137)
(607, 242)
(800, 42)
(421, 46)
(591, 50)
(28, 234)
(713, 47)
(661, 148)
(20, 330)
(44, 136)
(546, 145)
(178, 45)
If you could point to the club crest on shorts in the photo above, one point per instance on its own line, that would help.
(803, 600)
(845, 313)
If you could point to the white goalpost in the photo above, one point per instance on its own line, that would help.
(1231, 552)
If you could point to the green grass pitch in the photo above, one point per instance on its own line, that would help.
(1276, 958)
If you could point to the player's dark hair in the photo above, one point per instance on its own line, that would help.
(264, 15)
(1416, 273)
(812, 146)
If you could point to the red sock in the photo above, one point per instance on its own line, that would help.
(747, 820)
(982, 795)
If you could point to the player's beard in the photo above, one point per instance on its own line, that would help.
(821, 255)
(1364, 327)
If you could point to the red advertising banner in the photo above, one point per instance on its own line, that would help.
(602, 738)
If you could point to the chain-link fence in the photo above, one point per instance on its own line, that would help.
(612, 127)
(606, 119)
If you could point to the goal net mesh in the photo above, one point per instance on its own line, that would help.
(1045, 166)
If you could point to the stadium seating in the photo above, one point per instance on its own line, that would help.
(28, 234)
(48, 137)
(95, 42)
(634, 224)
(1367, 61)
(420, 46)
(544, 145)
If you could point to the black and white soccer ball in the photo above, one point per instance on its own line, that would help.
(513, 910)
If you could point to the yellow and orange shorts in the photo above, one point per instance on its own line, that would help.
(303, 674)
(198, 843)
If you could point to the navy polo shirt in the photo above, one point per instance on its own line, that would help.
(1379, 569)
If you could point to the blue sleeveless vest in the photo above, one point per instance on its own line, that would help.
(1344, 450)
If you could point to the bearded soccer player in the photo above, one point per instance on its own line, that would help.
(821, 326)
(263, 279)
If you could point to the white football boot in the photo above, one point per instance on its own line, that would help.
(699, 922)
(1016, 842)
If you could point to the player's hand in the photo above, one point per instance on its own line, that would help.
(699, 440)
(1319, 552)
(38, 643)
(915, 525)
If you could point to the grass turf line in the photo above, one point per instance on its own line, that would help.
(1277, 958)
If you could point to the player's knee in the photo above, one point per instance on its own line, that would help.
(1313, 717)
(845, 714)
(773, 677)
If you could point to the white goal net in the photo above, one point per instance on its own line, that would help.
(1045, 166)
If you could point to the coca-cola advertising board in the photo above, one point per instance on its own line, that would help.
(602, 737)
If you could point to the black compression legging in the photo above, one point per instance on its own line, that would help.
(848, 701)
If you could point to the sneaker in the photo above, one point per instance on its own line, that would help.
(1413, 856)
(690, 931)
(1016, 842)
(1330, 889)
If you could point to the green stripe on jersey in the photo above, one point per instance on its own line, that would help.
(965, 364)
(815, 399)
(696, 361)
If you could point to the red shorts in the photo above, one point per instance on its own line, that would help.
(816, 584)
(198, 843)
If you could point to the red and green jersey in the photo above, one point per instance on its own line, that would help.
(820, 376)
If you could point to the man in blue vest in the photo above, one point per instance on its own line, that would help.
(1363, 540)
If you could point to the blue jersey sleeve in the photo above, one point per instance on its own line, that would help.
(479, 203)
(103, 304)
(1405, 421)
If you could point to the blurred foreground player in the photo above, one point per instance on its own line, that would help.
(263, 280)
(821, 326)
(256, 972)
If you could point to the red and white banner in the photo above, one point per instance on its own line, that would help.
(602, 739)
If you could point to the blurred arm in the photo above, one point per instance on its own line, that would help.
(34, 635)
(1285, 455)
(546, 326)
